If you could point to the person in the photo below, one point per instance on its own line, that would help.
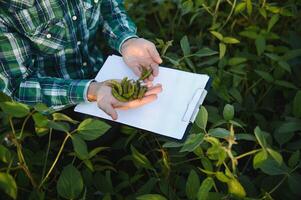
(48, 52)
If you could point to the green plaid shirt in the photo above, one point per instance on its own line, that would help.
(47, 47)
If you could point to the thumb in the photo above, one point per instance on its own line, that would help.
(108, 108)
(154, 54)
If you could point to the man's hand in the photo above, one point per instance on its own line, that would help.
(138, 53)
(101, 92)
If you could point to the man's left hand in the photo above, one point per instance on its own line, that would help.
(138, 53)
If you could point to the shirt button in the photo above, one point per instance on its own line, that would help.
(84, 64)
(74, 18)
(95, 1)
(48, 35)
(78, 43)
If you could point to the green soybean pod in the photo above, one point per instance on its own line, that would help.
(142, 92)
(116, 85)
(125, 87)
(117, 96)
(145, 73)
(136, 90)
(130, 90)
(138, 86)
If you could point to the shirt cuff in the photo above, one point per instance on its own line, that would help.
(78, 90)
(124, 37)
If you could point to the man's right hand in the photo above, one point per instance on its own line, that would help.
(101, 92)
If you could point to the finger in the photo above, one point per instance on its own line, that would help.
(154, 53)
(108, 109)
(154, 90)
(149, 84)
(137, 70)
(155, 69)
(146, 63)
(150, 78)
(139, 102)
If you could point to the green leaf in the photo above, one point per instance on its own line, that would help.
(259, 158)
(205, 52)
(249, 7)
(70, 183)
(63, 117)
(274, 19)
(277, 156)
(186, 6)
(294, 182)
(242, 136)
(260, 44)
(8, 185)
(284, 65)
(271, 167)
(230, 40)
(266, 76)
(217, 35)
(96, 151)
(273, 57)
(285, 131)
(292, 54)
(222, 50)
(4, 97)
(219, 133)
(294, 159)
(297, 104)
(15, 109)
(202, 118)
(236, 61)
(185, 45)
(249, 34)
(140, 159)
(240, 7)
(5, 155)
(236, 189)
(148, 186)
(228, 112)
(192, 142)
(59, 126)
(172, 144)
(285, 84)
(192, 185)
(91, 129)
(260, 137)
(80, 147)
(40, 120)
(151, 197)
(263, 12)
(206, 186)
(222, 177)
(40, 107)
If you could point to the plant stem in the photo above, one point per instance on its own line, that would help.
(247, 154)
(47, 152)
(24, 123)
(55, 161)
(21, 158)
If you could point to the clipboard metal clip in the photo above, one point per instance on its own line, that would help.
(194, 104)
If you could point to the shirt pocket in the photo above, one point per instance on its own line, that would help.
(92, 13)
(45, 28)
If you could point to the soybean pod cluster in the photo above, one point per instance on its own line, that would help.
(129, 89)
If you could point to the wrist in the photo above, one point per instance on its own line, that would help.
(127, 43)
(92, 90)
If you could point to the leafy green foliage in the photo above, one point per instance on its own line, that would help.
(70, 183)
(245, 142)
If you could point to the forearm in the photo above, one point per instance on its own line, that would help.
(54, 92)
(118, 27)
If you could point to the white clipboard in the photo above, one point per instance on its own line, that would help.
(176, 107)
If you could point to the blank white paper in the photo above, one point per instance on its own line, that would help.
(166, 115)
